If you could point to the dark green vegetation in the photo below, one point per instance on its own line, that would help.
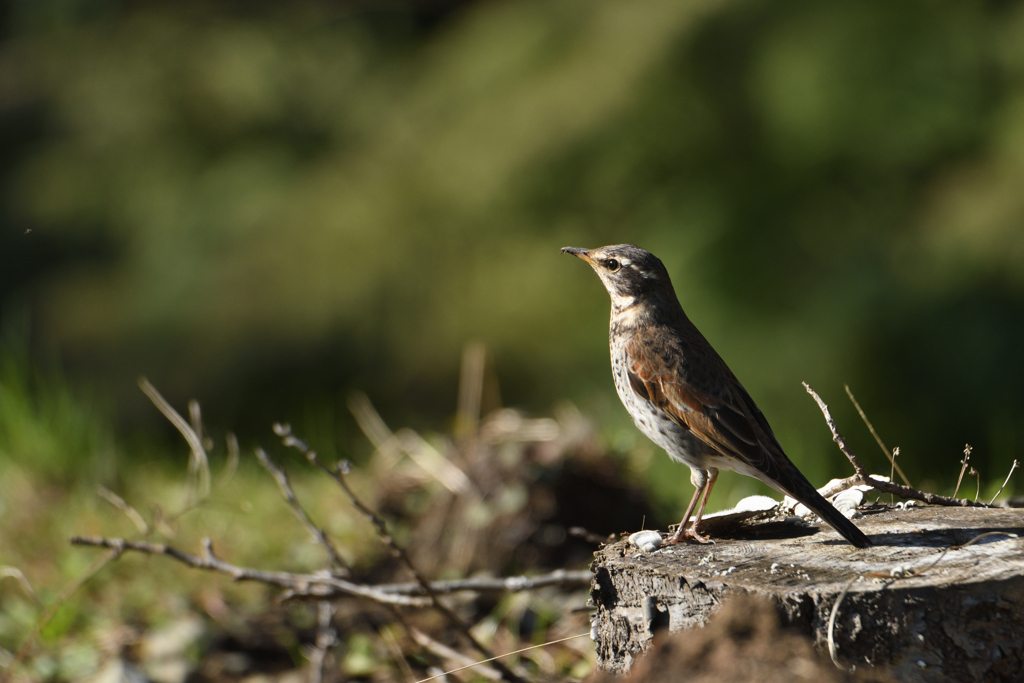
(269, 205)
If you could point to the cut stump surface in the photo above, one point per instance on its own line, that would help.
(913, 608)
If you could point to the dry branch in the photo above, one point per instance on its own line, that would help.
(891, 455)
(338, 473)
(863, 478)
(327, 585)
(331, 586)
(326, 638)
(198, 464)
(318, 534)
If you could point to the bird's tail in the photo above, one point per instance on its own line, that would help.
(798, 487)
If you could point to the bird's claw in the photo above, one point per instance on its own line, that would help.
(689, 535)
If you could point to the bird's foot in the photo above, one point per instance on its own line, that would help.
(689, 535)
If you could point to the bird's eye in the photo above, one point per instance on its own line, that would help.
(612, 265)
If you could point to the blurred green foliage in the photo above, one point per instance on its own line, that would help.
(44, 426)
(268, 206)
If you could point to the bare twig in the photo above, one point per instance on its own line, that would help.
(391, 642)
(508, 584)
(892, 469)
(299, 582)
(231, 442)
(871, 428)
(862, 477)
(471, 387)
(195, 418)
(514, 652)
(832, 649)
(453, 655)
(977, 491)
(963, 468)
(326, 638)
(325, 585)
(338, 474)
(8, 572)
(198, 466)
(318, 534)
(1014, 466)
(130, 512)
(904, 492)
(836, 436)
(425, 456)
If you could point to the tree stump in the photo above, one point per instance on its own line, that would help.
(914, 606)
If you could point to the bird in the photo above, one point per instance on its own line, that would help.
(682, 395)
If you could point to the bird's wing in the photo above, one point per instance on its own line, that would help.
(723, 415)
(709, 401)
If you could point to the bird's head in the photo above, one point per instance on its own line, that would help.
(629, 273)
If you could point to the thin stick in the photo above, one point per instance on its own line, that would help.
(338, 474)
(426, 457)
(122, 505)
(508, 584)
(471, 389)
(303, 582)
(895, 454)
(963, 468)
(8, 572)
(863, 478)
(514, 652)
(198, 466)
(452, 655)
(231, 465)
(836, 436)
(318, 534)
(1014, 466)
(832, 624)
(396, 651)
(326, 638)
(871, 428)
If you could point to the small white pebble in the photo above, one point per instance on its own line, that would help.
(921, 663)
(728, 571)
(755, 504)
(775, 568)
(647, 541)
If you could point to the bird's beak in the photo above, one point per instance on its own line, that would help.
(579, 253)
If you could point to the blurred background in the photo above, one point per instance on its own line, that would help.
(268, 206)
(265, 206)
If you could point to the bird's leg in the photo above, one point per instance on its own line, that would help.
(678, 534)
(701, 482)
(694, 532)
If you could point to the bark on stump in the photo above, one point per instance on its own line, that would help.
(914, 609)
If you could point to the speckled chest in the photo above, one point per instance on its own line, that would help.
(655, 424)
